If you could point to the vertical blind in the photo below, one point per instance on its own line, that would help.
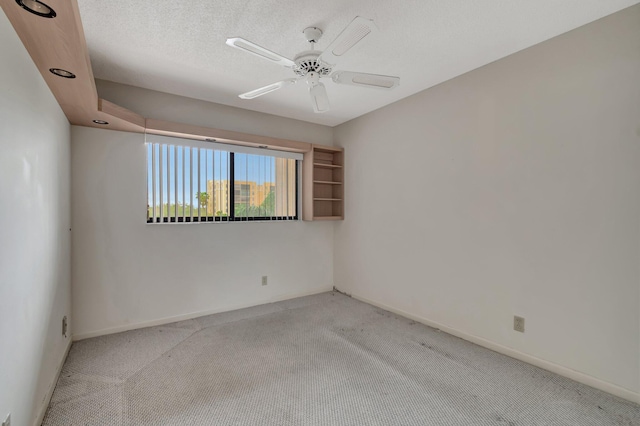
(192, 181)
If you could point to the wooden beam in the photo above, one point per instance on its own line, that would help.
(168, 128)
(126, 120)
(60, 43)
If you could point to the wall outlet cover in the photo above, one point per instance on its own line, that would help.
(264, 280)
(518, 323)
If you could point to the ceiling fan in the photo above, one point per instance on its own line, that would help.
(312, 65)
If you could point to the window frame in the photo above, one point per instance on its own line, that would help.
(231, 150)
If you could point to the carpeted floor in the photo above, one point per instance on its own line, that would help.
(319, 360)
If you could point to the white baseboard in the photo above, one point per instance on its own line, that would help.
(578, 376)
(43, 408)
(183, 317)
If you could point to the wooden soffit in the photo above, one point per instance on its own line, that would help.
(59, 42)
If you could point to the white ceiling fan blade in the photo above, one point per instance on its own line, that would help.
(351, 36)
(254, 49)
(319, 98)
(267, 89)
(375, 81)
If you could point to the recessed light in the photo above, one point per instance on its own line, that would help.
(37, 8)
(102, 122)
(62, 73)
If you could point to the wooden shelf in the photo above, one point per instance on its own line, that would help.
(327, 166)
(329, 149)
(323, 183)
(327, 218)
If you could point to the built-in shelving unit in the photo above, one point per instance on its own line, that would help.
(323, 183)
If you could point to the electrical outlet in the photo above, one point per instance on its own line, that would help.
(64, 326)
(518, 323)
(264, 280)
(7, 422)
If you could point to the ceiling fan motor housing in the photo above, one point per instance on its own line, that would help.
(307, 62)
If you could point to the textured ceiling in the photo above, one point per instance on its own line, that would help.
(179, 47)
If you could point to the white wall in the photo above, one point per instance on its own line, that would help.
(128, 274)
(34, 233)
(513, 189)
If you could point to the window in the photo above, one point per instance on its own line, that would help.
(193, 181)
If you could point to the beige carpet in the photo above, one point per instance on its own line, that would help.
(318, 360)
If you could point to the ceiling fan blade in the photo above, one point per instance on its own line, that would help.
(351, 36)
(267, 89)
(254, 49)
(375, 81)
(319, 98)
